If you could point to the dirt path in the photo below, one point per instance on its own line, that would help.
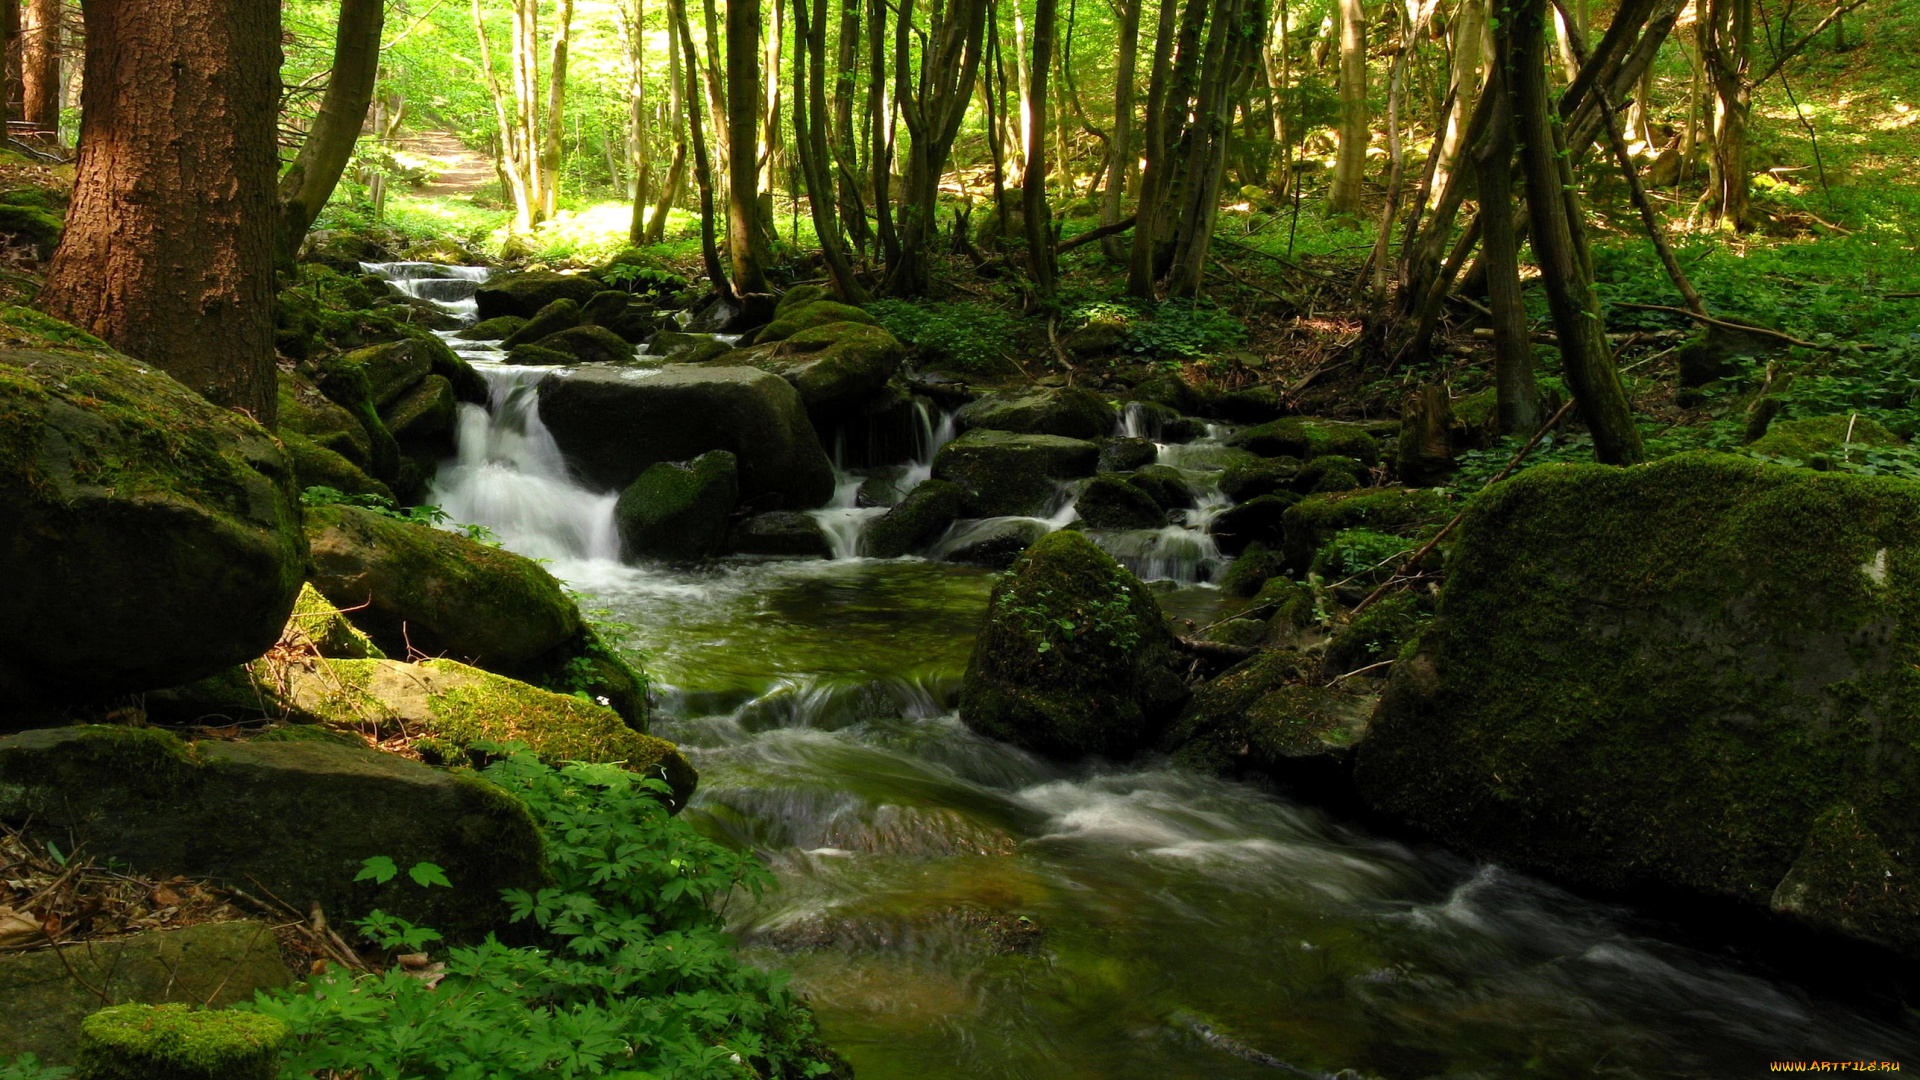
(459, 171)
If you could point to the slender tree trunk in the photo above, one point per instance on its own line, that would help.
(639, 154)
(1123, 172)
(745, 238)
(513, 156)
(309, 182)
(40, 66)
(1558, 246)
(526, 101)
(1468, 76)
(1140, 271)
(1516, 392)
(556, 110)
(1728, 27)
(1350, 164)
(879, 132)
(676, 172)
(933, 107)
(716, 86)
(702, 167)
(168, 252)
(810, 141)
(1021, 62)
(846, 146)
(1033, 181)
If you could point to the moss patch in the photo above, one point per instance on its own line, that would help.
(177, 1042)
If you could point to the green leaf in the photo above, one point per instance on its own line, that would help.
(425, 874)
(378, 869)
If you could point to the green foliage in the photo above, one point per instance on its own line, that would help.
(631, 978)
(1169, 330)
(1360, 553)
(423, 514)
(974, 338)
(1110, 618)
(28, 1067)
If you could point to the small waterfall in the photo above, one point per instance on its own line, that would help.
(844, 520)
(1137, 421)
(451, 287)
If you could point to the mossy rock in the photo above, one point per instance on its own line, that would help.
(1819, 441)
(424, 414)
(306, 411)
(631, 320)
(1165, 485)
(1699, 675)
(147, 537)
(1329, 472)
(538, 356)
(800, 296)
(317, 622)
(834, 366)
(916, 521)
(524, 293)
(32, 226)
(640, 271)
(496, 329)
(348, 386)
(1377, 634)
(782, 533)
(1250, 571)
(1315, 519)
(562, 314)
(1126, 454)
(1018, 475)
(1108, 502)
(679, 510)
(1251, 405)
(413, 587)
(1259, 520)
(447, 707)
(1246, 480)
(1261, 718)
(178, 1042)
(790, 319)
(590, 345)
(316, 466)
(294, 818)
(1308, 439)
(1074, 657)
(1068, 412)
(1169, 390)
(391, 368)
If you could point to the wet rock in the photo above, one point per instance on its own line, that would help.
(1264, 717)
(1164, 485)
(1169, 390)
(416, 588)
(1126, 455)
(1265, 476)
(1314, 520)
(147, 537)
(524, 293)
(633, 320)
(538, 356)
(834, 367)
(1007, 474)
(590, 345)
(919, 519)
(883, 486)
(562, 314)
(495, 329)
(306, 411)
(613, 424)
(1258, 520)
(1250, 571)
(1074, 658)
(1108, 502)
(781, 532)
(423, 415)
(1696, 675)
(1070, 413)
(1254, 405)
(47, 993)
(993, 543)
(679, 510)
(316, 466)
(295, 818)
(1329, 472)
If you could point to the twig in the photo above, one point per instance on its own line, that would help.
(1361, 671)
(1742, 327)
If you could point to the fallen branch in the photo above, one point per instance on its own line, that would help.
(1218, 649)
(1728, 325)
(1091, 235)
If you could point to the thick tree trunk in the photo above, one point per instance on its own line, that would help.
(1123, 171)
(1033, 181)
(933, 106)
(168, 253)
(1558, 246)
(40, 66)
(1728, 28)
(1224, 76)
(745, 245)
(309, 182)
(1350, 164)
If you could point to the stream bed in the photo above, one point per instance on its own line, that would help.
(956, 908)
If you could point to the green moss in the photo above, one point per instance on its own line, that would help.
(1329, 472)
(1814, 440)
(494, 329)
(1249, 572)
(1378, 633)
(25, 328)
(149, 760)
(1211, 733)
(1314, 520)
(316, 466)
(316, 620)
(1670, 675)
(33, 225)
(1308, 439)
(177, 1042)
(790, 319)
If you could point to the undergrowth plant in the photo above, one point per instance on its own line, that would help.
(629, 975)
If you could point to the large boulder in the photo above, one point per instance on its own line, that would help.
(834, 366)
(1074, 658)
(780, 533)
(1019, 475)
(789, 319)
(1109, 502)
(1069, 412)
(916, 521)
(316, 466)
(679, 510)
(1312, 521)
(562, 314)
(1267, 716)
(590, 344)
(295, 817)
(526, 292)
(1306, 439)
(425, 589)
(306, 411)
(1700, 675)
(147, 537)
(614, 424)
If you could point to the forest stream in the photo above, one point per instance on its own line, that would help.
(955, 907)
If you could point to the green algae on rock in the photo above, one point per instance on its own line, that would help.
(1699, 675)
(917, 520)
(1070, 413)
(1074, 658)
(1815, 441)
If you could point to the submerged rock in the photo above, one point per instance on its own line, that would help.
(147, 537)
(780, 532)
(1698, 675)
(1074, 658)
(614, 424)
(413, 587)
(1007, 474)
(679, 510)
(1071, 413)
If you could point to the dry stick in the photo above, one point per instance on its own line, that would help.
(1415, 558)
(1742, 327)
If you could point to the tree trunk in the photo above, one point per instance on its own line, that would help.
(745, 239)
(1558, 246)
(309, 182)
(1467, 77)
(168, 252)
(1225, 73)
(556, 110)
(1123, 172)
(702, 167)
(40, 66)
(1728, 28)
(526, 101)
(1351, 162)
(1153, 178)
(810, 140)
(513, 155)
(933, 106)
(1516, 392)
(676, 172)
(846, 147)
(880, 133)
(1033, 181)
(638, 152)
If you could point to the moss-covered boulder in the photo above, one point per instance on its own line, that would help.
(1005, 474)
(296, 818)
(1254, 567)
(994, 543)
(1109, 502)
(147, 537)
(1068, 412)
(412, 587)
(1308, 439)
(1821, 440)
(1169, 390)
(1266, 716)
(1074, 657)
(636, 270)
(590, 344)
(495, 329)
(316, 466)
(179, 1042)
(562, 314)
(1244, 480)
(800, 296)
(613, 425)
(790, 319)
(317, 622)
(916, 521)
(443, 707)
(306, 411)
(1314, 520)
(526, 292)
(1699, 675)
(34, 227)
(633, 321)
(1259, 520)
(1328, 472)
(423, 415)
(679, 510)
(834, 366)
(1125, 454)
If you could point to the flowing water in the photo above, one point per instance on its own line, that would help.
(956, 908)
